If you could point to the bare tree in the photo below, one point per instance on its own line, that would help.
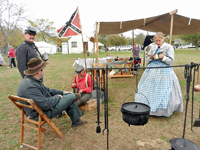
(45, 28)
(10, 16)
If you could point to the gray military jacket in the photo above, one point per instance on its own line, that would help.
(24, 52)
(34, 89)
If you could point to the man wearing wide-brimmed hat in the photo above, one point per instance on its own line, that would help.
(51, 101)
(27, 50)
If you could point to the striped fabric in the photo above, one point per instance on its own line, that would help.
(155, 86)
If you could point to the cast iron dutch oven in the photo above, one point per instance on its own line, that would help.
(183, 144)
(135, 113)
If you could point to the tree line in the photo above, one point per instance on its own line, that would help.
(177, 40)
(13, 17)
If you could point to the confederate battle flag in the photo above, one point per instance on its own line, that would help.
(71, 27)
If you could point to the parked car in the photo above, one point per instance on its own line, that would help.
(124, 47)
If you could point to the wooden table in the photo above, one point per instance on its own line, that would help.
(121, 74)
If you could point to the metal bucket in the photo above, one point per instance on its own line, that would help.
(45, 56)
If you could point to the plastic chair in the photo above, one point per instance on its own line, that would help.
(41, 121)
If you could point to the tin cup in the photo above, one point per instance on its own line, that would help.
(155, 57)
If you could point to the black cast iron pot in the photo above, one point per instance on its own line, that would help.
(135, 113)
(183, 144)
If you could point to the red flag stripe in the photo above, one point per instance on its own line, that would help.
(76, 21)
(69, 32)
(72, 27)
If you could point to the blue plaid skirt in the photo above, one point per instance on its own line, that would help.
(155, 86)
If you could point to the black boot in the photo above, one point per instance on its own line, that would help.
(78, 123)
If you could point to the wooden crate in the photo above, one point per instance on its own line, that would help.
(90, 105)
(126, 73)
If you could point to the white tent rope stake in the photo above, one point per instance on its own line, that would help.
(144, 21)
(189, 21)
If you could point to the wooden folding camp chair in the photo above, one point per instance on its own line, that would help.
(41, 121)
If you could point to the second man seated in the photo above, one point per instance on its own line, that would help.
(82, 85)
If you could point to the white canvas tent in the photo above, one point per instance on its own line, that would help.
(100, 44)
(46, 47)
(75, 44)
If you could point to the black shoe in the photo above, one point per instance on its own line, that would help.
(78, 123)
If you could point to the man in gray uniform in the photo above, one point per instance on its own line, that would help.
(27, 50)
(51, 101)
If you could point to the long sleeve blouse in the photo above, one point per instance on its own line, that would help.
(167, 51)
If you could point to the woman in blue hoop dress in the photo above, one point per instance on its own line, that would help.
(159, 88)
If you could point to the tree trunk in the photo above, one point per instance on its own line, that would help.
(197, 47)
(5, 40)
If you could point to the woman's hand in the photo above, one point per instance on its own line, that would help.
(160, 56)
(151, 56)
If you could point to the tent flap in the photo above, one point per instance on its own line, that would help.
(181, 25)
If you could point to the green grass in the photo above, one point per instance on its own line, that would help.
(60, 74)
(165, 139)
(135, 139)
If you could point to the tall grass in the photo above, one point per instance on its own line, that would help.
(60, 74)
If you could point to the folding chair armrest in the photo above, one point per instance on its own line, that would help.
(18, 98)
(23, 105)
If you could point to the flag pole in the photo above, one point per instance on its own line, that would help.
(82, 38)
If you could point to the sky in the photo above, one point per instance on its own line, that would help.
(92, 11)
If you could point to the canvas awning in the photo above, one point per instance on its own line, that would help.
(181, 25)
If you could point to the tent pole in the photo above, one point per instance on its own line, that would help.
(93, 50)
(171, 24)
(171, 29)
(97, 51)
(133, 49)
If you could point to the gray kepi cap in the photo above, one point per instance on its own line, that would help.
(78, 69)
(30, 30)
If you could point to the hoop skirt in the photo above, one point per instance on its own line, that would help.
(159, 88)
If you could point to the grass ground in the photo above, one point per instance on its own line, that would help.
(155, 135)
